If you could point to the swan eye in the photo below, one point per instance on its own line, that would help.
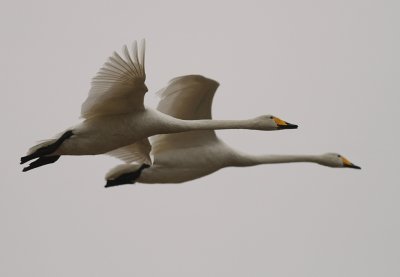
(338, 156)
(271, 117)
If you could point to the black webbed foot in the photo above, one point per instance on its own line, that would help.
(48, 149)
(126, 178)
(41, 161)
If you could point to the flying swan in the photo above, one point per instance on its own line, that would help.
(191, 155)
(116, 121)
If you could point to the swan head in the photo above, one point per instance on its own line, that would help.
(270, 122)
(124, 174)
(336, 160)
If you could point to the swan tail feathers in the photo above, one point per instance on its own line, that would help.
(41, 144)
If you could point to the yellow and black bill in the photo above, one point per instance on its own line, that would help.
(283, 124)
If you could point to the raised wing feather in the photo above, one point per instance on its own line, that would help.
(190, 98)
(119, 85)
(138, 152)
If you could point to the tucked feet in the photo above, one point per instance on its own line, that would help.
(124, 174)
(41, 161)
(48, 149)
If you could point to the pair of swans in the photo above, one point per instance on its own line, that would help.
(117, 123)
(190, 155)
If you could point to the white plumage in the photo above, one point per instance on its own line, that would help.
(186, 156)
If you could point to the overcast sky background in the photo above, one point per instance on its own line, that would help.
(330, 66)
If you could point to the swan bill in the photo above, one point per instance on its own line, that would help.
(283, 124)
(347, 163)
(126, 178)
(352, 166)
(287, 126)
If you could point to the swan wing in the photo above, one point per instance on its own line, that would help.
(190, 98)
(118, 86)
(138, 152)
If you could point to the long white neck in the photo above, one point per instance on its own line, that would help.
(251, 160)
(206, 124)
(167, 124)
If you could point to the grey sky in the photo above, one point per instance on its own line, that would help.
(330, 66)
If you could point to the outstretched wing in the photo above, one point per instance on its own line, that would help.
(119, 85)
(138, 152)
(190, 98)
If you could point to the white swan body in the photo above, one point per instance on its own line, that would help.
(102, 134)
(207, 160)
(116, 121)
(190, 155)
